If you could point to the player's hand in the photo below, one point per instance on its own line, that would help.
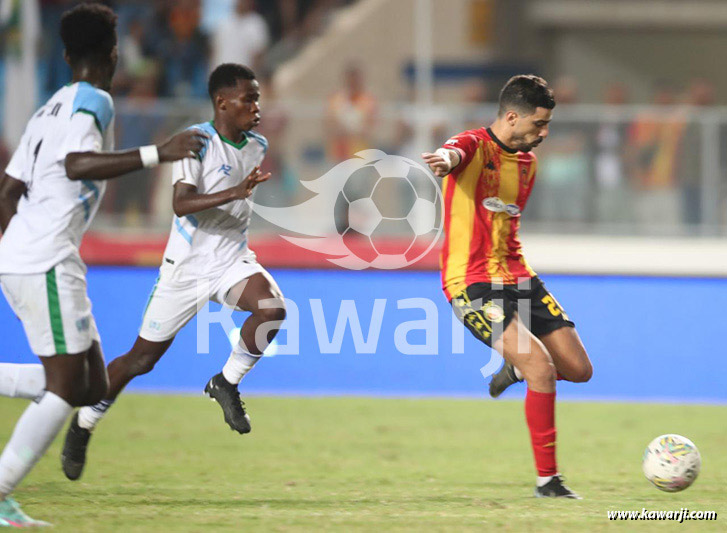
(244, 189)
(439, 166)
(182, 145)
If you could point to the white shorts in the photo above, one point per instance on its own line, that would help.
(54, 308)
(173, 303)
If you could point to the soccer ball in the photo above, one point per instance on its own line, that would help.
(389, 211)
(671, 462)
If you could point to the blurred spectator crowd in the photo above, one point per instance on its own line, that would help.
(615, 167)
(619, 165)
(642, 169)
(167, 47)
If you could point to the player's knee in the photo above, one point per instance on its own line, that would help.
(583, 373)
(540, 371)
(95, 395)
(545, 373)
(142, 363)
(274, 314)
(72, 387)
(77, 396)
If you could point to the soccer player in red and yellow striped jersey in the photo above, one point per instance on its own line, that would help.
(488, 176)
(484, 196)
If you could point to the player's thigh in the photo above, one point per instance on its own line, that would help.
(65, 374)
(170, 306)
(490, 313)
(247, 286)
(551, 324)
(96, 364)
(54, 308)
(539, 309)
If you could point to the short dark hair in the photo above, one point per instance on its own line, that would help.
(525, 93)
(88, 32)
(226, 75)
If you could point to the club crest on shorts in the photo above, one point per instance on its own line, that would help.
(493, 312)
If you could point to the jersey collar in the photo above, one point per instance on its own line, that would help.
(499, 143)
(239, 145)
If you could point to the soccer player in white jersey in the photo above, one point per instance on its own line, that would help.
(207, 258)
(49, 195)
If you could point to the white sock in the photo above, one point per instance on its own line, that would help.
(33, 433)
(543, 480)
(90, 415)
(518, 374)
(21, 381)
(239, 364)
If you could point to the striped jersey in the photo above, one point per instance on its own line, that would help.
(483, 199)
(204, 244)
(55, 212)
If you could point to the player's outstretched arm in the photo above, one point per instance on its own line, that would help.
(187, 200)
(107, 165)
(442, 161)
(11, 190)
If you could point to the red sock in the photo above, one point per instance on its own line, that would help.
(540, 416)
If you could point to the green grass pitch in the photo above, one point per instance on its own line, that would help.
(169, 463)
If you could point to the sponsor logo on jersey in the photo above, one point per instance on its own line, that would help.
(452, 141)
(513, 210)
(493, 204)
(496, 205)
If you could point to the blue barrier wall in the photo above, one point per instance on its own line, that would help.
(649, 338)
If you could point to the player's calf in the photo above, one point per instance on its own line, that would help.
(262, 326)
(258, 331)
(262, 298)
(139, 360)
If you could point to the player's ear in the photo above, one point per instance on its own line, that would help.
(220, 102)
(511, 117)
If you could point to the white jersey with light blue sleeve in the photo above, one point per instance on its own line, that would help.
(207, 243)
(55, 213)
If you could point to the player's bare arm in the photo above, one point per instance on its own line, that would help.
(442, 161)
(187, 200)
(10, 192)
(107, 165)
